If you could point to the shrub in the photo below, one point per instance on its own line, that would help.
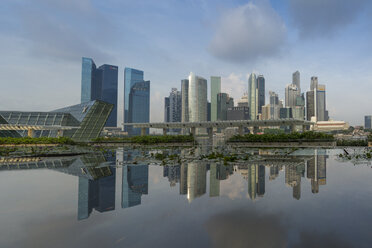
(306, 136)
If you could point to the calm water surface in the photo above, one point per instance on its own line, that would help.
(309, 198)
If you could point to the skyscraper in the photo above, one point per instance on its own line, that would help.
(223, 103)
(136, 99)
(100, 84)
(261, 92)
(368, 122)
(321, 110)
(109, 91)
(197, 99)
(314, 83)
(296, 80)
(139, 105)
(291, 94)
(175, 105)
(253, 96)
(275, 105)
(215, 89)
(310, 105)
(185, 100)
(316, 101)
(166, 109)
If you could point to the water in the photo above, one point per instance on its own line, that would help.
(277, 198)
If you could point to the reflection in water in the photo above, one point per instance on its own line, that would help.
(134, 184)
(97, 177)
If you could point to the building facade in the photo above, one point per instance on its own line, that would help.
(253, 96)
(136, 99)
(291, 94)
(139, 105)
(368, 122)
(185, 100)
(100, 84)
(237, 113)
(197, 98)
(215, 89)
(261, 92)
(223, 103)
(296, 80)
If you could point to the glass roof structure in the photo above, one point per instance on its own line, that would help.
(81, 122)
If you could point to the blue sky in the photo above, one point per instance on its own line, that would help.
(42, 42)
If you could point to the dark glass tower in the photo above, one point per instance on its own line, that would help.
(261, 92)
(100, 84)
(136, 99)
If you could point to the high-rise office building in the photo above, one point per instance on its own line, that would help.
(316, 101)
(275, 105)
(223, 103)
(215, 89)
(314, 83)
(166, 110)
(100, 84)
(253, 96)
(286, 113)
(197, 100)
(368, 122)
(185, 100)
(136, 99)
(243, 102)
(291, 94)
(321, 110)
(296, 80)
(261, 92)
(310, 105)
(175, 105)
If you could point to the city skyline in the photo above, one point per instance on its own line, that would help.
(43, 62)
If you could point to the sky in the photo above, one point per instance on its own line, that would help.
(42, 43)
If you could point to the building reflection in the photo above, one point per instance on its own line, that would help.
(134, 184)
(97, 176)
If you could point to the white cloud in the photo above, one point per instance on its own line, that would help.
(249, 32)
(235, 85)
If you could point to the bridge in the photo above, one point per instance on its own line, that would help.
(213, 125)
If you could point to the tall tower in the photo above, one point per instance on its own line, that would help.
(100, 84)
(314, 83)
(296, 80)
(261, 92)
(185, 100)
(136, 99)
(215, 89)
(291, 94)
(197, 100)
(253, 96)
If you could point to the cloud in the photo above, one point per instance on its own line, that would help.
(248, 32)
(64, 30)
(323, 17)
(235, 85)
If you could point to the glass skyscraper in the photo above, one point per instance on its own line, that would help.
(368, 122)
(215, 89)
(100, 84)
(261, 92)
(136, 99)
(253, 96)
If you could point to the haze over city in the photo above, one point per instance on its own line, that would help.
(42, 43)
